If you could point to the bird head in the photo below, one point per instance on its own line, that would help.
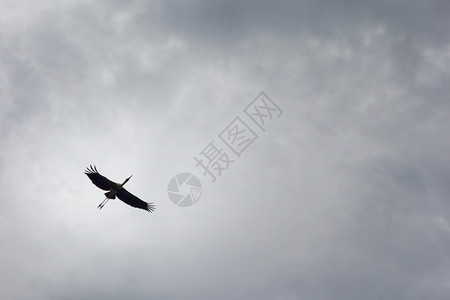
(126, 180)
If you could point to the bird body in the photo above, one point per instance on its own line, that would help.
(115, 189)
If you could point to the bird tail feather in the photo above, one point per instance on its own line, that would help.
(110, 195)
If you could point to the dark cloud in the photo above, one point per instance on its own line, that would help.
(344, 196)
(234, 20)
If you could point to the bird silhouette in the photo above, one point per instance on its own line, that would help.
(115, 189)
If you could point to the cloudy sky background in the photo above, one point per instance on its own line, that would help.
(345, 196)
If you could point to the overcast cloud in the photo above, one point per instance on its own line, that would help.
(344, 196)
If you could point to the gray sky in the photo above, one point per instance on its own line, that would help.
(344, 196)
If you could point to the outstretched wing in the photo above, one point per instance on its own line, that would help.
(97, 179)
(134, 201)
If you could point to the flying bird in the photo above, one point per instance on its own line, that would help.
(115, 189)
